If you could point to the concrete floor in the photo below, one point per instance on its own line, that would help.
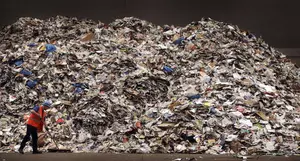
(133, 157)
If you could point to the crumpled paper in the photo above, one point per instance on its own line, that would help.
(135, 87)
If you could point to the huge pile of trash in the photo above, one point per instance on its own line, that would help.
(135, 87)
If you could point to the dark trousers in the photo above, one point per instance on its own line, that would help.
(33, 132)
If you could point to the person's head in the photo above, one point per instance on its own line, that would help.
(47, 104)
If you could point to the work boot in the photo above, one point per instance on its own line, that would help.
(36, 152)
(21, 151)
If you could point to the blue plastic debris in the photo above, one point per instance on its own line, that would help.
(179, 41)
(78, 90)
(31, 84)
(79, 87)
(32, 45)
(50, 48)
(168, 69)
(196, 96)
(212, 110)
(18, 62)
(26, 72)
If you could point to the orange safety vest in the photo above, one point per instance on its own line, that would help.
(35, 121)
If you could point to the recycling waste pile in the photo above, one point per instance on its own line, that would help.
(134, 87)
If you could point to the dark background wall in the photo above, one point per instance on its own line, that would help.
(277, 21)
